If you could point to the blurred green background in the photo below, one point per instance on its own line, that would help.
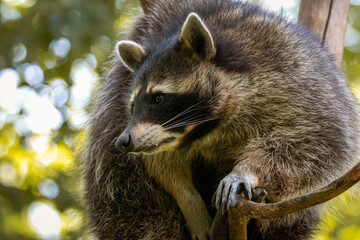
(51, 57)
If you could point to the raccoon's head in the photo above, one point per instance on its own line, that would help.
(171, 100)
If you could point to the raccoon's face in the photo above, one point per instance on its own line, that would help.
(168, 105)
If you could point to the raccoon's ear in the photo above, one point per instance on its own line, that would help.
(131, 54)
(196, 37)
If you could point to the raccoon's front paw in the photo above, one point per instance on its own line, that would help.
(198, 219)
(200, 231)
(220, 227)
(226, 193)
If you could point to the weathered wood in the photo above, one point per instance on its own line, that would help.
(238, 219)
(314, 15)
(328, 19)
(336, 28)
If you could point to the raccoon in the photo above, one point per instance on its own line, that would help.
(210, 99)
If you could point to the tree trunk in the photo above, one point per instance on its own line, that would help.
(328, 19)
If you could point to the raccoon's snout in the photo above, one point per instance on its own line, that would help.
(147, 138)
(125, 142)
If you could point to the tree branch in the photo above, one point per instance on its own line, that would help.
(280, 209)
(246, 209)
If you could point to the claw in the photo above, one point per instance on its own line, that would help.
(259, 194)
(213, 199)
(233, 195)
(247, 190)
(218, 195)
(225, 197)
(226, 193)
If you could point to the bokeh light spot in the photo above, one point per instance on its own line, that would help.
(33, 74)
(2, 121)
(60, 47)
(84, 79)
(8, 13)
(39, 143)
(59, 93)
(7, 174)
(48, 188)
(91, 60)
(352, 36)
(46, 151)
(41, 116)
(18, 52)
(20, 3)
(50, 60)
(44, 220)
(9, 80)
(20, 126)
(280, 5)
(77, 118)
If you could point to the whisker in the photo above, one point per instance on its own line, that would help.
(184, 112)
(188, 110)
(191, 117)
(192, 122)
(187, 123)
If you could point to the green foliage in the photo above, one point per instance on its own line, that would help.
(50, 56)
(51, 53)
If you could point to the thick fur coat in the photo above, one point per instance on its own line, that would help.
(212, 98)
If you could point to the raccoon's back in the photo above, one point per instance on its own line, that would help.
(246, 37)
(298, 86)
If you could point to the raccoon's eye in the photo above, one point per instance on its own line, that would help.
(158, 98)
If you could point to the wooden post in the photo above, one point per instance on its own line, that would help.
(328, 19)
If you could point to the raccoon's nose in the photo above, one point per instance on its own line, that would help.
(125, 142)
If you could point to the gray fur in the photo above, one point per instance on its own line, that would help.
(288, 123)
